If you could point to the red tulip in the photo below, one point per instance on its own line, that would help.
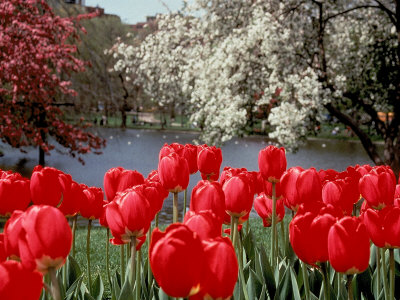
(301, 186)
(18, 283)
(208, 195)
(155, 194)
(209, 161)
(348, 246)
(46, 239)
(14, 193)
(238, 196)
(92, 204)
(129, 215)
(12, 231)
(45, 186)
(190, 154)
(168, 149)
(263, 206)
(174, 173)
(204, 223)
(221, 269)
(378, 187)
(363, 170)
(73, 196)
(272, 163)
(118, 179)
(229, 172)
(153, 176)
(308, 233)
(3, 255)
(177, 260)
(339, 194)
(268, 189)
(383, 226)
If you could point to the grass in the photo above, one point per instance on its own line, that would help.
(98, 242)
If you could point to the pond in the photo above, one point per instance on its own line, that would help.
(138, 150)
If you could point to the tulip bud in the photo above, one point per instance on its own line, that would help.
(348, 246)
(378, 187)
(12, 275)
(92, 204)
(12, 230)
(383, 226)
(308, 233)
(190, 154)
(238, 196)
(3, 255)
(73, 197)
(204, 223)
(177, 260)
(128, 216)
(209, 161)
(174, 173)
(263, 206)
(118, 179)
(208, 195)
(221, 269)
(46, 238)
(272, 163)
(14, 193)
(155, 194)
(45, 186)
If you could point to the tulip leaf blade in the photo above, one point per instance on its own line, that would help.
(284, 287)
(268, 273)
(73, 290)
(98, 288)
(295, 287)
(126, 291)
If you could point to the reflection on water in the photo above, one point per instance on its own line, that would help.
(138, 149)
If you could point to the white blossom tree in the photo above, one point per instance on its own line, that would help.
(340, 57)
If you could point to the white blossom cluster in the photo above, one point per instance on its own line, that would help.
(217, 55)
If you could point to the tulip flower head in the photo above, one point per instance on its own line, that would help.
(119, 179)
(348, 246)
(209, 161)
(177, 260)
(45, 239)
(263, 207)
(13, 274)
(14, 193)
(207, 195)
(173, 172)
(272, 163)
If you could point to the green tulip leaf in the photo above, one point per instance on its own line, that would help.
(126, 291)
(162, 295)
(268, 273)
(295, 287)
(98, 288)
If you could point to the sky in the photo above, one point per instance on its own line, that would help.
(134, 11)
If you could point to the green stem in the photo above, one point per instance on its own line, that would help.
(133, 261)
(156, 222)
(248, 226)
(339, 284)
(108, 256)
(378, 269)
(349, 287)
(283, 235)
(138, 272)
(88, 254)
(175, 208)
(384, 273)
(305, 280)
(149, 273)
(240, 258)
(273, 239)
(325, 277)
(122, 260)
(127, 251)
(392, 273)
(231, 235)
(184, 203)
(73, 234)
(55, 287)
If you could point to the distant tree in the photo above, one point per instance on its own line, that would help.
(335, 57)
(36, 55)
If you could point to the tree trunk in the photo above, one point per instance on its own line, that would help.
(41, 157)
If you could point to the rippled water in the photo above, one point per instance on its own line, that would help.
(138, 149)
